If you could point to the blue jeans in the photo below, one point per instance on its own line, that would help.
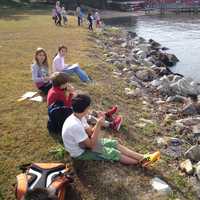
(79, 72)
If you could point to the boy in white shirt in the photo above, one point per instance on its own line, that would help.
(83, 143)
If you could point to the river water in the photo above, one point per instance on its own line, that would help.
(180, 33)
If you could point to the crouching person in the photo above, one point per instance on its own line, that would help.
(84, 143)
(59, 102)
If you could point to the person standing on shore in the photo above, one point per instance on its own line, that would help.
(54, 15)
(58, 11)
(64, 15)
(97, 19)
(78, 14)
(90, 21)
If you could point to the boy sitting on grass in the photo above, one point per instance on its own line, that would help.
(84, 143)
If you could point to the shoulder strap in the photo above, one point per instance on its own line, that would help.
(59, 185)
(22, 186)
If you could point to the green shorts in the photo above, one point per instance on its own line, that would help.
(109, 152)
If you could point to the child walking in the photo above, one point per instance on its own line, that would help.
(58, 13)
(90, 21)
(54, 15)
(60, 66)
(40, 74)
(97, 19)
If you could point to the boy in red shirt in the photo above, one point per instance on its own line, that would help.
(59, 89)
(61, 94)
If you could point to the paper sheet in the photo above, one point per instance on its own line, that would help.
(73, 66)
(37, 98)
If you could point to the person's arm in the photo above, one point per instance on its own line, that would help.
(35, 77)
(89, 131)
(57, 65)
(91, 142)
(69, 100)
(71, 91)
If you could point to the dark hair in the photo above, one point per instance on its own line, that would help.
(39, 194)
(80, 103)
(61, 47)
(59, 78)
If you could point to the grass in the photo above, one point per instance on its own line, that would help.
(24, 137)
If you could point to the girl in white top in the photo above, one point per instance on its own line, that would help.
(60, 66)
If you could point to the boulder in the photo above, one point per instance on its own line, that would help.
(147, 62)
(184, 87)
(176, 78)
(164, 48)
(197, 170)
(196, 134)
(146, 75)
(144, 47)
(160, 186)
(190, 109)
(193, 153)
(132, 34)
(133, 93)
(141, 54)
(187, 167)
(190, 121)
(154, 44)
(155, 83)
(166, 141)
(124, 45)
(172, 58)
(176, 98)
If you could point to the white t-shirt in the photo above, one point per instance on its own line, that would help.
(73, 132)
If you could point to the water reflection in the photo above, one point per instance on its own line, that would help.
(181, 33)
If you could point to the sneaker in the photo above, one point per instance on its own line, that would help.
(150, 159)
(116, 124)
(112, 111)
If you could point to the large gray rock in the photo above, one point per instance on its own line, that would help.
(160, 186)
(176, 98)
(197, 170)
(146, 75)
(132, 34)
(144, 47)
(133, 93)
(190, 109)
(147, 62)
(184, 87)
(190, 121)
(141, 54)
(172, 58)
(155, 83)
(193, 153)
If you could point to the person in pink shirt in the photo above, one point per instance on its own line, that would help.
(60, 66)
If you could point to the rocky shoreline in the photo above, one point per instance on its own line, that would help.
(145, 67)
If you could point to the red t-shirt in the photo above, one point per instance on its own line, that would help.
(57, 94)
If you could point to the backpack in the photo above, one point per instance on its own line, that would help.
(57, 113)
(44, 175)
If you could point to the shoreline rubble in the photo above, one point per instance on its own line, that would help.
(145, 67)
